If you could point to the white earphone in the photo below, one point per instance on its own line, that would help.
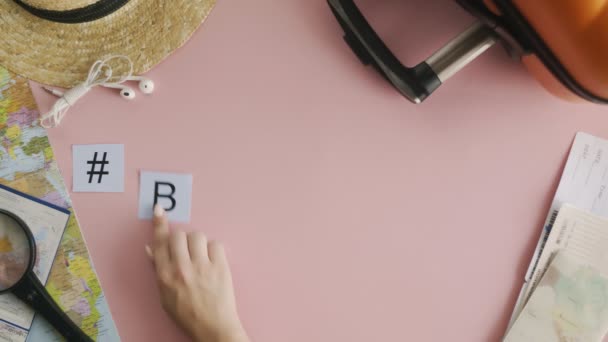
(101, 74)
(126, 92)
(145, 85)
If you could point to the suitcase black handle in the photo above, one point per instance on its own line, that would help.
(418, 82)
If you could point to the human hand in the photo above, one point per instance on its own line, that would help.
(195, 283)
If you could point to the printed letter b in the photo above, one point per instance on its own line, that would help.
(157, 186)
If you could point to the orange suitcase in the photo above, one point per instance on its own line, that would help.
(563, 43)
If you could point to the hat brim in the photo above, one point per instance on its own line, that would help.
(146, 31)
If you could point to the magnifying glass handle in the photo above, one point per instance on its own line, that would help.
(31, 291)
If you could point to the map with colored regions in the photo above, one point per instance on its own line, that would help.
(27, 164)
(570, 304)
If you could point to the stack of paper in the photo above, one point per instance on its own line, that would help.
(565, 291)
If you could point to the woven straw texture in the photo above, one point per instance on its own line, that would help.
(147, 31)
(55, 5)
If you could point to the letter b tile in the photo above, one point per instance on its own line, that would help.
(172, 191)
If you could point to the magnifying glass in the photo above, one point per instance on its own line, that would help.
(17, 258)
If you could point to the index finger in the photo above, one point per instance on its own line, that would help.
(161, 225)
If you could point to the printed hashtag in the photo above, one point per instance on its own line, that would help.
(102, 164)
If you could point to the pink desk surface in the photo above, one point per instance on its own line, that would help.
(349, 214)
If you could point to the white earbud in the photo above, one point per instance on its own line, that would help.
(126, 92)
(145, 85)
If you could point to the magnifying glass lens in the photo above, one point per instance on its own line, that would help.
(15, 252)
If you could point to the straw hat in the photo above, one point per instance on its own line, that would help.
(55, 42)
